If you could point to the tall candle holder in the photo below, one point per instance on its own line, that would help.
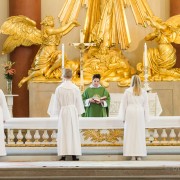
(145, 59)
(146, 82)
(62, 62)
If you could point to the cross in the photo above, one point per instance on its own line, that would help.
(82, 47)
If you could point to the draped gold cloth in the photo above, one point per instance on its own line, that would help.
(108, 18)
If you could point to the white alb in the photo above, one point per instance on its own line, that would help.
(134, 111)
(68, 106)
(4, 116)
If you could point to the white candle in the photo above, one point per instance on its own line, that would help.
(145, 56)
(81, 36)
(62, 63)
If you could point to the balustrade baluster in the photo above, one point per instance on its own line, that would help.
(28, 137)
(151, 138)
(19, 137)
(172, 137)
(164, 137)
(45, 137)
(11, 137)
(155, 136)
(37, 137)
(53, 137)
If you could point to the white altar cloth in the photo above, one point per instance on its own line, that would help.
(155, 108)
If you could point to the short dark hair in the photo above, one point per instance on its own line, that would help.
(96, 76)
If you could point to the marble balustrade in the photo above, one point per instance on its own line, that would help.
(28, 132)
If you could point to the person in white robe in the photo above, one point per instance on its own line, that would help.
(4, 116)
(68, 107)
(134, 111)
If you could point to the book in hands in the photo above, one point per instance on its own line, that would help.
(99, 99)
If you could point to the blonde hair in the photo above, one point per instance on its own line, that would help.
(67, 73)
(136, 84)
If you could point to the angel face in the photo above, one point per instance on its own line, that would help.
(48, 21)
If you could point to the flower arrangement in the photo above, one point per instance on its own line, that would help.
(8, 70)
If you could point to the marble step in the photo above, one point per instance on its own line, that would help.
(88, 170)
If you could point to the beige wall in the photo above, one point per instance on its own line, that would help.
(4, 13)
(52, 7)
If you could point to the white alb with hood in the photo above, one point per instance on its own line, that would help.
(68, 106)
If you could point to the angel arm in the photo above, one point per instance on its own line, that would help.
(63, 29)
(157, 23)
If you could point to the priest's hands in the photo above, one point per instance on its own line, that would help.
(98, 102)
(101, 102)
(91, 100)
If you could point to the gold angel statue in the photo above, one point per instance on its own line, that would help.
(162, 59)
(22, 31)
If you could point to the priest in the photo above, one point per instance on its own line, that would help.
(4, 116)
(96, 99)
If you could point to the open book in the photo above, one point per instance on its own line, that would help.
(98, 99)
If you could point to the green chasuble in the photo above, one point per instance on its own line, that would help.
(96, 110)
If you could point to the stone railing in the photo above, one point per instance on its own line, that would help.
(38, 132)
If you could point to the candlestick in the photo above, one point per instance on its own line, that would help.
(62, 57)
(146, 68)
(81, 36)
(145, 56)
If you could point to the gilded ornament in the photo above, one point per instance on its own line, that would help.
(22, 31)
(162, 59)
(96, 136)
(105, 24)
(110, 63)
(106, 18)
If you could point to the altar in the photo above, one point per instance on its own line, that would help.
(167, 93)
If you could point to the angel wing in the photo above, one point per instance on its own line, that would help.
(174, 22)
(112, 27)
(70, 11)
(22, 31)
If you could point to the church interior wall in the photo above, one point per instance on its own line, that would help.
(160, 8)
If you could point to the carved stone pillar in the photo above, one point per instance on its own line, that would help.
(175, 10)
(23, 56)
